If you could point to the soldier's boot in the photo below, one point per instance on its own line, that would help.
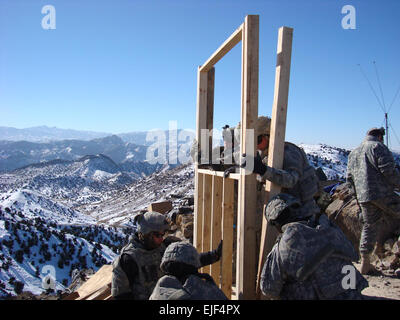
(366, 265)
(380, 251)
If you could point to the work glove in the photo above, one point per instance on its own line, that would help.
(229, 171)
(258, 168)
(218, 251)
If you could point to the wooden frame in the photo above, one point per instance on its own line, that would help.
(277, 136)
(214, 194)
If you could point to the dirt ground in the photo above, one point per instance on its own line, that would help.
(382, 287)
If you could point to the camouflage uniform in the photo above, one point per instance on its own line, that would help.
(297, 176)
(137, 269)
(371, 171)
(307, 263)
(147, 267)
(189, 285)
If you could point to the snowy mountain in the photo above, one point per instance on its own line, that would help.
(332, 160)
(40, 238)
(75, 182)
(46, 134)
(15, 155)
(119, 206)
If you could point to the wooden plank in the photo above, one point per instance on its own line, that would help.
(234, 176)
(216, 223)
(100, 294)
(246, 243)
(228, 199)
(206, 245)
(161, 207)
(229, 43)
(72, 296)
(198, 211)
(277, 135)
(101, 278)
(204, 120)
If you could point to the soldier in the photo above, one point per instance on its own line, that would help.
(371, 172)
(182, 281)
(137, 269)
(297, 177)
(310, 259)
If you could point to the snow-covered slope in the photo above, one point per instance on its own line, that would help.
(38, 235)
(119, 206)
(332, 160)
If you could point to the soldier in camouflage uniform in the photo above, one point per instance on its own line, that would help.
(182, 280)
(297, 177)
(371, 172)
(312, 258)
(137, 269)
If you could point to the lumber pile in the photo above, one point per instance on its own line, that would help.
(98, 287)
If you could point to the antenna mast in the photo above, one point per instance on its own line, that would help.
(387, 129)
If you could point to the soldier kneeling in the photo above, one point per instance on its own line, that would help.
(182, 281)
(308, 259)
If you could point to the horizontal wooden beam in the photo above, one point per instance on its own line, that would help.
(234, 176)
(229, 43)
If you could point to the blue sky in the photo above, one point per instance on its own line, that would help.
(122, 66)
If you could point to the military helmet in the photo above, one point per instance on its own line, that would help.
(182, 252)
(279, 204)
(263, 126)
(376, 131)
(151, 222)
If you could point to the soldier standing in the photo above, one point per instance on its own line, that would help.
(297, 177)
(371, 172)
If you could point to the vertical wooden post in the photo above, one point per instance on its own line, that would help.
(198, 216)
(207, 198)
(228, 199)
(246, 242)
(204, 120)
(216, 225)
(277, 135)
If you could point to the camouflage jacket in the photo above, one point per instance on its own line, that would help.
(297, 176)
(148, 271)
(307, 263)
(371, 170)
(196, 287)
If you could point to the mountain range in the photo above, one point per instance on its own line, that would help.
(71, 208)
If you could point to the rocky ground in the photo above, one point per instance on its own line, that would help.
(382, 287)
(345, 212)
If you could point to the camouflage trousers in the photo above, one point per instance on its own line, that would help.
(373, 213)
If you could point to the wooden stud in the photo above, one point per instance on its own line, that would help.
(232, 41)
(216, 223)
(277, 135)
(198, 216)
(246, 243)
(206, 245)
(204, 120)
(228, 199)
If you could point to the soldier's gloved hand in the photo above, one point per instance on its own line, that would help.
(228, 171)
(259, 167)
(218, 251)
